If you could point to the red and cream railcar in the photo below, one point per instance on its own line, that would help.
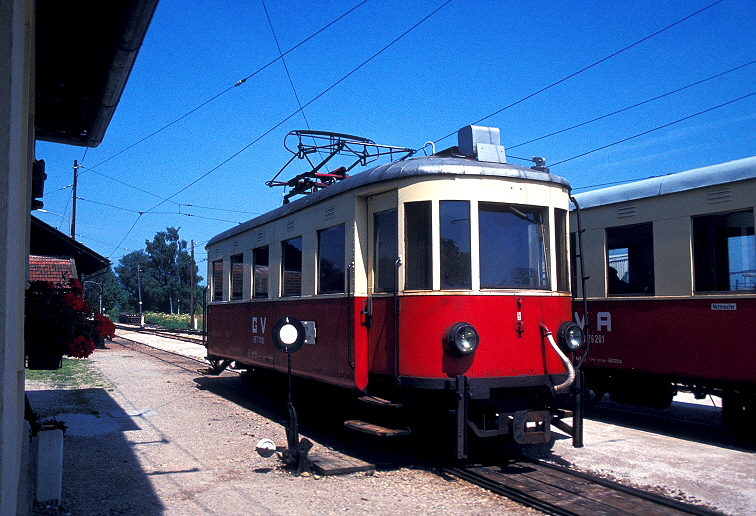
(672, 288)
(440, 283)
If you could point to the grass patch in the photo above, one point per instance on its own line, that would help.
(76, 373)
(173, 321)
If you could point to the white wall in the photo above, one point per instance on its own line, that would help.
(16, 153)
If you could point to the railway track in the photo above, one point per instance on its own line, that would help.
(556, 490)
(185, 335)
(542, 486)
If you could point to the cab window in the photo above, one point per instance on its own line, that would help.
(454, 219)
(512, 246)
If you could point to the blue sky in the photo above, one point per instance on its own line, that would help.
(463, 63)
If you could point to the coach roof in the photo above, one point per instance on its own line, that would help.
(423, 166)
(729, 172)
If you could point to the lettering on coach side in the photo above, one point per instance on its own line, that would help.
(258, 324)
(258, 328)
(603, 321)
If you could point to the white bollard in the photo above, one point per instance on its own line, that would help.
(49, 466)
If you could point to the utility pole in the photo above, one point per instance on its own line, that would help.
(139, 288)
(191, 291)
(73, 216)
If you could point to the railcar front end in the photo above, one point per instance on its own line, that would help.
(439, 285)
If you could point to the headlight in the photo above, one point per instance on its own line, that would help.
(570, 336)
(461, 339)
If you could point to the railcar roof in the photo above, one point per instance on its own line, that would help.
(423, 166)
(713, 175)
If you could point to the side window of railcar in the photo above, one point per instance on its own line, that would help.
(562, 265)
(218, 280)
(724, 252)
(237, 276)
(261, 273)
(291, 265)
(512, 246)
(630, 259)
(331, 259)
(454, 220)
(385, 250)
(418, 245)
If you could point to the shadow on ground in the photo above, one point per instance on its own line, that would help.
(101, 473)
(322, 410)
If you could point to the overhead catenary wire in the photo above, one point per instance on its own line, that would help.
(607, 115)
(318, 96)
(283, 62)
(654, 129)
(131, 210)
(205, 103)
(586, 68)
(221, 209)
(235, 85)
(321, 94)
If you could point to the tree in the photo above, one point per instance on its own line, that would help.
(130, 269)
(164, 253)
(113, 294)
(166, 273)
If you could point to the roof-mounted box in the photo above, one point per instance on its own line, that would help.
(483, 143)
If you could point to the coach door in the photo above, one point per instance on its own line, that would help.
(383, 258)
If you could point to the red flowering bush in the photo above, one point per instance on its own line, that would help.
(106, 327)
(58, 321)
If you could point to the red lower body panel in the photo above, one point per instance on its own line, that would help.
(709, 339)
(346, 349)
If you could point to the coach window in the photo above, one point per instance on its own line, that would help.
(454, 220)
(237, 276)
(630, 259)
(291, 264)
(260, 275)
(724, 252)
(218, 280)
(331, 259)
(418, 245)
(512, 246)
(385, 250)
(562, 265)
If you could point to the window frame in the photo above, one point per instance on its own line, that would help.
(639, 241)
(543, 276)
(717, 247)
